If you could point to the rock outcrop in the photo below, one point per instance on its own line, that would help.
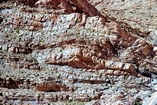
(69, 50)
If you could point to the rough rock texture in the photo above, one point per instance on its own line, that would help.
(77, 52)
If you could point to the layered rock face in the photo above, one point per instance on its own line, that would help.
(70, 51)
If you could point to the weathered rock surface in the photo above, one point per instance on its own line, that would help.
(72, 51)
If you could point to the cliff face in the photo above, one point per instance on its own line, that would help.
(76, 50)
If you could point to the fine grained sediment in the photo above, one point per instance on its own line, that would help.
(49, 55)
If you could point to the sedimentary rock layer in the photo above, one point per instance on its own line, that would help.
(71, 52)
